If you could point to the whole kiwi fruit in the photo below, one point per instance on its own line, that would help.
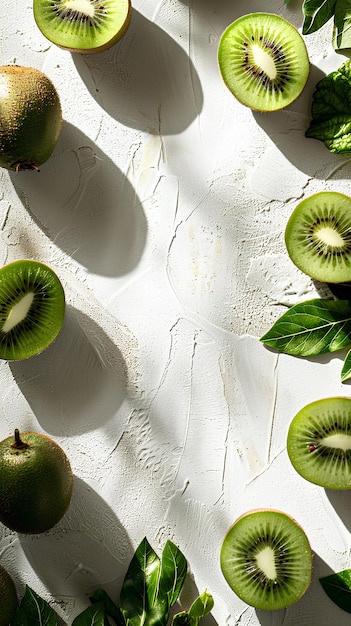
(84, 26)
(30, 117)
(266, 559)
(263, 61)
(36, 482)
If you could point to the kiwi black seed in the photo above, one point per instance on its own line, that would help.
(266, 559)
(83, 26)
(30, 117)
(32, 309)
(263, 61)
(319, 442)
(318, 236)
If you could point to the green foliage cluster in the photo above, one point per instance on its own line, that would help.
(150, 589)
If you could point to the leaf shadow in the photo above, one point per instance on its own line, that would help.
(84, 393)
(88, 549)
(85, 205)
(147, 81)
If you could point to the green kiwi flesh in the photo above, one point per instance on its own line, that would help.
(32, 309)
(266, 559)
(30, 117)
(318, 236)
(319, 442)
(84, 26)
(263, 61)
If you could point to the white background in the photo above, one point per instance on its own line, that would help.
(163, 211)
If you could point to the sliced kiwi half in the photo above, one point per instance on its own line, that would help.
(263, 61)
(32, 309)
(318, 236)
(319, 442)
(266, 559)
(83, 25)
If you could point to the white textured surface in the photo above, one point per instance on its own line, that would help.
(163, 210)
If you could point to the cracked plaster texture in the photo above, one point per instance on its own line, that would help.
(163, 211)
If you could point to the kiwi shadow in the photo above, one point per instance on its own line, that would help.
(340, 501)
(87, 550)
(313, 608)
(78, 383)
(85, 205)
(286, 128)
(146, 81)
(342, 291)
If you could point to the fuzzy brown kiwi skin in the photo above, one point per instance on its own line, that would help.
(264, 510)
(109, 43)
(30, 120)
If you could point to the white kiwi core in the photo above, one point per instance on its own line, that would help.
(19, 312)
(339, 440)
(81, 6)
(266, 562)
(264, 61)
(330, 236)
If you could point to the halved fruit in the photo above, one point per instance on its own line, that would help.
(263, 61)
(32, 309)
(319, 442)
(83, 25)
(266, 559)
(318, 237)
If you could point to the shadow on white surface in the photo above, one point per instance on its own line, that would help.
(87, 550)
(87, 391)
(147, 81)
(313, 608)
(286, 129)
(340, 501)
(84, 203)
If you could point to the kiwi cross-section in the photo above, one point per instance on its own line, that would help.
(318, 236)
(84, 26)
(266, 559)
(263, 61)
(319, 442)
(32, 308)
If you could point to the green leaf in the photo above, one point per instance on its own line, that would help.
(173, 573)
(34, 611)
(338, 588)
(311, 328)
(342, 27)
(346, 368)
(331, 110)
(100, 596)
(316, 14)
(140, 588)
(202, 606)
(151, 585)
(94, 615)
